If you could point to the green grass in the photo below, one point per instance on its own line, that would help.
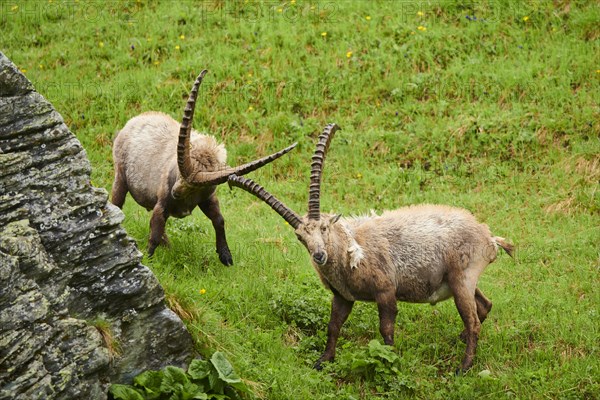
(499, 115)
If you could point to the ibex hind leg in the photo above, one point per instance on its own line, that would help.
(484, 305)
(119, 189)
(466, 305)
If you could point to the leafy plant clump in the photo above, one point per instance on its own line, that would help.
(305, 306)
(379, 367)
(214, 379)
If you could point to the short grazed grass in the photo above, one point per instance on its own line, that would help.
(488, 105)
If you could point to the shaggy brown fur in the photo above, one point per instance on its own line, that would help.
(170, 169)
(417, 254)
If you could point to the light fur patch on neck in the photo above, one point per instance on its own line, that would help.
(355, 252)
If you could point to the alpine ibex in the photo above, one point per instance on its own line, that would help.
(418, 254)
(170, 169)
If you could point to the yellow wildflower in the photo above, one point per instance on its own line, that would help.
(250, 108)
(598, 71)
(280, 10)
(101, 44)
(368, 17)
(293, 2)
(14, 8)
(156, 62)
(41, 66)
(23, 70)
(202, 291)
(525, 18)
(421, 28)
(182, 36)
(359, 175)
(421, 14)
(349, 54)
(177, 47)
(323, 34)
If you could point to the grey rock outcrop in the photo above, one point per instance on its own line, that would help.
(68, 270)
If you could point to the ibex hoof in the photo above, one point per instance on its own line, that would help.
(460, 371)
(318, 365)
(225, 258)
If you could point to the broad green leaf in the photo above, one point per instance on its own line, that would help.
(224, 368)
(359, 364)
(199, 369)
(124, 392)
(377, 349)
(173, 376)
(191, 391)
(149, 380)
(233, 390)
(216, 384)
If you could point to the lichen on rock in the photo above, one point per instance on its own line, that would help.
(65, 262)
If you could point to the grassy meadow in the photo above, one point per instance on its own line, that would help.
(488, 105)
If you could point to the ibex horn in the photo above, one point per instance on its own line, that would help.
(183, 147)
(254, 188)
(314, 193)
(210, 178)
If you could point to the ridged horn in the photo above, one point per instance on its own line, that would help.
(314, 193)
(183, 146)
(211, 178)
(254, 188)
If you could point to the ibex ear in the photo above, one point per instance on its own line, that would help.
(334, 219)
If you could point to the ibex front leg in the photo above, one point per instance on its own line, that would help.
(340, 309)
(387, 307)
(157, 228)
(211, 209)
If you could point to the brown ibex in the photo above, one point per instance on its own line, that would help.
(418, 254)
(170, 169)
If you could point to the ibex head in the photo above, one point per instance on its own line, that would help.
(203, 170)
(314, 229)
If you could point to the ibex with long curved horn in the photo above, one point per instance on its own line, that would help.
(170, 169)
(418, 254)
